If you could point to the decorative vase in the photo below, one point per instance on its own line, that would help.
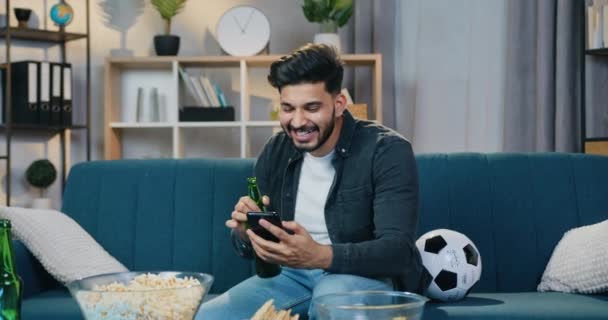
(23, 15)
(154, 115)
(331, 39)
(166, 45)
(328, 35)
(42, 203)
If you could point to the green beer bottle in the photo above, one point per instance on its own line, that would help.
(262, 268)
(10, 283)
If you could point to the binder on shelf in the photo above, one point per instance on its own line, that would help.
(45, 93)
(56, 75)
(24, 81)
(66, 95)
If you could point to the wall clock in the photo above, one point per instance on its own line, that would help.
(243, 31)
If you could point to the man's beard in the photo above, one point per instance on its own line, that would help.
(322, 138)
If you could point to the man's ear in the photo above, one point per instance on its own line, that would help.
(340, 103)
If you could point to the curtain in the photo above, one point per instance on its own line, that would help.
(449, 74)
(372, 31)
(542, 93)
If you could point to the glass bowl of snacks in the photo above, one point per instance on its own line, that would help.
(141, 295)
(370, 305)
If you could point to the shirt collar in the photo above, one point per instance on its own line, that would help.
(346, 135)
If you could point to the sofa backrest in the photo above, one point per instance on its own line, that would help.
(163, 214)
(170, 214)
(514, 207)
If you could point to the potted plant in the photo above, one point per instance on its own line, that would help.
(23, 15)
(331, 15)
(41, 174)
(167, 44)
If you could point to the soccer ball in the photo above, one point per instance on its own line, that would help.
(453, 261)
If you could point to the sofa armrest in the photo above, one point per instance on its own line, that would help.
(34, 276)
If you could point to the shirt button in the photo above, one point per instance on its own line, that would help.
(343, 150)
(288, 194)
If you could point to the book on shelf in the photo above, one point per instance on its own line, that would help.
(210, 92)
(189, 86)
(204, 92)
(2, 85)
(596, 27)
(220, 95)
(200, 93)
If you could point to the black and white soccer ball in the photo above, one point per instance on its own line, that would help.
(454, 262)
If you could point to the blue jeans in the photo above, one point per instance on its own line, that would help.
(292, 289)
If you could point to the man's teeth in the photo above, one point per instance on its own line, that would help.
(302, 132)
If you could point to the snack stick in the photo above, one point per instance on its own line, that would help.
(269, 313)
(259, 315)
(287, 315)
(279, 315)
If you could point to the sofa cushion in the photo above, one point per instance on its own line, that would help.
(65, 250)
(514, 207)
(51, 305)
(163, 214)
(579, 263)
(525, 305)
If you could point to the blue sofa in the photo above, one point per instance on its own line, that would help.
(170, 214)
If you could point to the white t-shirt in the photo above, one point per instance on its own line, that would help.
(316, 178)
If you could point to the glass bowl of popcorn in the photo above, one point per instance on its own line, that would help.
(141, 295)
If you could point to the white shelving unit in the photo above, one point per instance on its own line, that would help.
(123, 77)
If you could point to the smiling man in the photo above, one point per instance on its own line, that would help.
(346, 189)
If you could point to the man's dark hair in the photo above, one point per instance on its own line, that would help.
(311, 63)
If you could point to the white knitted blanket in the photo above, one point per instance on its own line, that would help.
(63, 248)
(579, 263)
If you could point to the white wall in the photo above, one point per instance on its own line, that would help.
(109, 18)
(196, 27)
(451, 76)
(451, 73)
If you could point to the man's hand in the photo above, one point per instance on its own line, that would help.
(297, 251)
(239, 215)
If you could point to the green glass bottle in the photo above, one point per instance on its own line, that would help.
(11, 285)
(262, 268)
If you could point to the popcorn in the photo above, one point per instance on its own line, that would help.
(146, 297)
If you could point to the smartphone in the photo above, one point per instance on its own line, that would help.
(253, 218)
